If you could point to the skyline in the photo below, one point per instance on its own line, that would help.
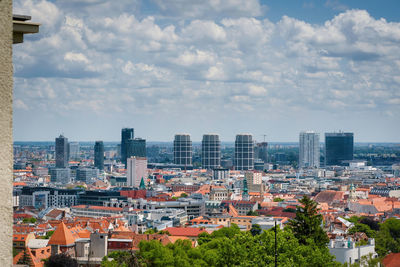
(165, 67)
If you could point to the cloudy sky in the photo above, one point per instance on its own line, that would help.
(223, 66)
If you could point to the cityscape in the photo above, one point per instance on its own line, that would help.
(200, 133)
(129, 190)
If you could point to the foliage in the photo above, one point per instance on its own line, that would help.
(61, 260)
(388, 237)
(150, 231)
(252, 213)
(184, 195)
(363, 228)
(289, 210)
(255, 229)
(306, 226)
(29, 220)
(120, 258)
(278, 199)
(374, 225)
(48, 235)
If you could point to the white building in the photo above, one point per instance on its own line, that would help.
(136, 170)
(309, 150)
(346, 251)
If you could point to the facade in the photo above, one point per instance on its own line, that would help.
(74, 151)
(218, 193)
(95, 211)
(136, 171)
(99, 197)
(47, 197)
(136, 148)
(62, 155)
(183, 150)
(346, 251)
(220, 174)
(60, 175)
(339, 147)
(87, 175)
(261, 151)
(309, 150)
(254, 181)
(126, 134)
(211, 151)
(99, 155)
(244, 152)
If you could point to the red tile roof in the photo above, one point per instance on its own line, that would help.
(180, 231)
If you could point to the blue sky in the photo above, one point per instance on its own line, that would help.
(224, 66)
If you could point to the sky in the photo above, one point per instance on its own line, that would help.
(272, 68)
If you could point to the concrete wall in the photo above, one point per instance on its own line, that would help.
(6, 156)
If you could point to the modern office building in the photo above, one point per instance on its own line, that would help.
(126, 135)
(136, 171)
(46, 197)
(62, 155)
(339, 147)
(309, 150)
(261, 151)
(74, 151)
(136, 148)
(244, 152)
(99, 155)
(211, 151)
(183, 150)
(60, 175)
(87, 175)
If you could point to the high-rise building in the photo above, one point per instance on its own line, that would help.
(183, 150)
(62, 155)
(126, 134)
(136, 171)
(74, 151)
(99, 155)
(339, 147)
(309, 150)
(87, 175)
(136, 148)
(244, 152)
(211, 151)
(261, 151)
(254, 181)
(60, 175)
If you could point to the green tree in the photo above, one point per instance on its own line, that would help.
(120, 258)
(252, 213)
(388, 237)
(278, 199)
(255, 229)
(307, 225)
(362, 228)
(29, 220)
(61, 260)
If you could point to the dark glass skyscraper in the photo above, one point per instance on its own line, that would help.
(99, 155)
(244, 152)
(136, 148)
(338, 148)
(183, 150)
(126, 134)
(211, 151)
(261, 151)
(62, 155)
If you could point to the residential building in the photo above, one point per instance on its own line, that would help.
(62, 155)
(183, 150)
(99, 155)
(244, 152)
(136, 171)
(339, 147)
(220, 174)
(346, 250)
(254, 181)
(126, 134)
(309, 150)
(95, 211)
(211, 151)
